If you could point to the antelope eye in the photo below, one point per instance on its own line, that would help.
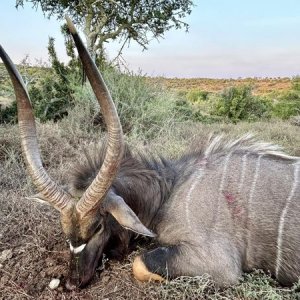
(99, 228)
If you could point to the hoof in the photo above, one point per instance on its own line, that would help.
(141, 272)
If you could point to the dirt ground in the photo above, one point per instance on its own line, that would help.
(33, 249)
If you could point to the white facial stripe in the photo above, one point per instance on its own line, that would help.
(77, 249)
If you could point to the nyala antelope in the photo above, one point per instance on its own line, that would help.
(222, 210)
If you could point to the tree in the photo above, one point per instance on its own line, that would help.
(106, 20)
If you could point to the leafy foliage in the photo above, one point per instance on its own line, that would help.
(238, 103)
(188, 111)
(54, 96)
(143, 109)
(51, 92)
(197, 95)
(287, 105)
(296, 83)
(103, 21)
(9, 114)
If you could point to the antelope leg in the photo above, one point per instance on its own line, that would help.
(173, 261)
(155, 265)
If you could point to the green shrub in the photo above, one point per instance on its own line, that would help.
(9, 114)
(238, 103)
(187, 111)
(184, 108)
(287, 105)
(51, 91)
(51, 99)
(296, 83)
(8, 106)
(143, 109)
(197, 96)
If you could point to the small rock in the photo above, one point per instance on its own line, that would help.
(6, 254)
(3, 280)
(43, 274)
(105, 279)
(49, 262)
(54, 283)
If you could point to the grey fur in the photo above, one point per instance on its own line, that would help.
(225, 209)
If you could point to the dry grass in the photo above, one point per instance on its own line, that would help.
(295, 121)
(32, 234)
(261, 86)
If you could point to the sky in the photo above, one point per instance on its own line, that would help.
(226, 39)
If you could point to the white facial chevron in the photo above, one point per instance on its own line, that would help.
(78, 249)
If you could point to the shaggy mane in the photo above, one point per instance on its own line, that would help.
(131, 165)
(246, 143)
(150, 166)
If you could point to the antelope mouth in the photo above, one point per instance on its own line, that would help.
(83, 268)
(87, 278)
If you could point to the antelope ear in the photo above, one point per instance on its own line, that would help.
(125, 216)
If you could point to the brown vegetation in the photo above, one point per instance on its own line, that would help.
(33, 249)
(261, 86)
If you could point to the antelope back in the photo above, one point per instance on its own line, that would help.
(249, 200)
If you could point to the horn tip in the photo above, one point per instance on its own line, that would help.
(70, 25)
(2, 52)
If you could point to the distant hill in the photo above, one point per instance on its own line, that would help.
(261, 86)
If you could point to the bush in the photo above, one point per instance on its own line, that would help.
(187, 111)
(197, 96)
(296, 83)
(287, 104)
(7, 104)
(9, 114)
(51, 99)
(143, 109)
(238, 103)
(50, 89)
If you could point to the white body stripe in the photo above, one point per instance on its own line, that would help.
(78, 249)
(222, 183)
(252, 190)
(220, 190)
(257, 167)
(243, 172)
(221, 187)
(283, 215)
(189, 194)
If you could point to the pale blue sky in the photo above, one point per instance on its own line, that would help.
(227, 39)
